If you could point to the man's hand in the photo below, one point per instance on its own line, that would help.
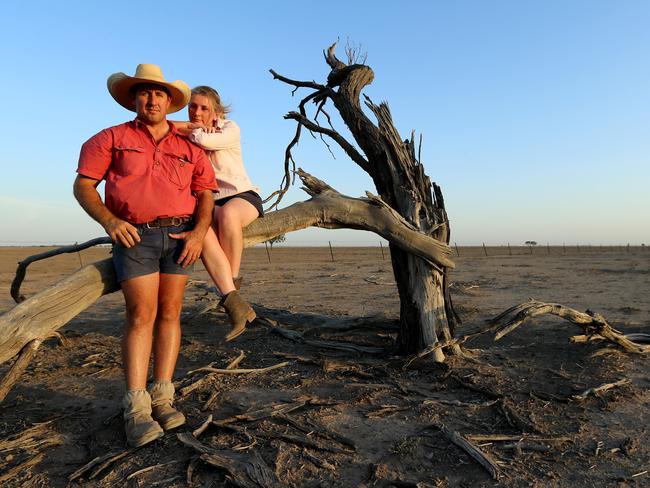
(192, 248)
(194, 238)
(85, 191)
(122, 232)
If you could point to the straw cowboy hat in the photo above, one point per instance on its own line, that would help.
(120, 86)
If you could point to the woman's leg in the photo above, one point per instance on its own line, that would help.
(231, 219)
(216, 262)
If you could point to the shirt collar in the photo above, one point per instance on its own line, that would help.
(138, 124)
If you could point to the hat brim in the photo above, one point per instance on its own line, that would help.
(120, 86)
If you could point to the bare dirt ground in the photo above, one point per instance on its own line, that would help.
(358, 418)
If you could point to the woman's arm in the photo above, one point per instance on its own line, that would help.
(185, 127)
(229, 136)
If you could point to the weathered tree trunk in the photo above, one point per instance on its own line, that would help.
(426, 311)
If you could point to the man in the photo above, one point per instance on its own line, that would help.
(158, 207)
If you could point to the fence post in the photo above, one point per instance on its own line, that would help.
(548, 249)
(382, 251)
(81, 264)
(456, 246)
(331, 253)
(484, 249)
(268, 254)
(509, 250)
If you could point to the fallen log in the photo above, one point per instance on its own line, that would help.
(37, 317)
(593, 324)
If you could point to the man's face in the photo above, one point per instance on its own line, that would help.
(151, 103)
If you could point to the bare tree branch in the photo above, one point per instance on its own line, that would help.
(349, 149)
(22, 265)
(298, 84)
(331, 58)
(354, 53)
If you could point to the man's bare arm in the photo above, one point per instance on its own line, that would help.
(85, 191)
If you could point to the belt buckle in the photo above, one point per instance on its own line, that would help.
(176, 221)
(152, 224)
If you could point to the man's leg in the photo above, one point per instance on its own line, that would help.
(166, 344)
(167, 335)
(231, 219)
(141, 297)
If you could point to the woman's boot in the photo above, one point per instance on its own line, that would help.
(162, 396)
(239, 313)
(140, 427)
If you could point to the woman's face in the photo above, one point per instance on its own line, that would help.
(201, 110)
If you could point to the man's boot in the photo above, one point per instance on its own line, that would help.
(237, 282)
(162, 396)
(140, 427)
(239, 313)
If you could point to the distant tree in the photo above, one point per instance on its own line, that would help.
(277, 239)
(530, 245)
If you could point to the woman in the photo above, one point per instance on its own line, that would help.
(237, 202)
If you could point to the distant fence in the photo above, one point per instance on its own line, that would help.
(328, 250)
(547, 249)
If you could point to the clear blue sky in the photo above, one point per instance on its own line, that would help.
(535, 114)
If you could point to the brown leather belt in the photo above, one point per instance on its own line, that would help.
(167, 222)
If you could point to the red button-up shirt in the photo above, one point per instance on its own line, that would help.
(146, 179)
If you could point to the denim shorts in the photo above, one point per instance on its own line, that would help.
(155, 253)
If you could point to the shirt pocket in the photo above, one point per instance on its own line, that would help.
(129, 160)
(178, 168)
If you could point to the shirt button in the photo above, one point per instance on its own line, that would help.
(157, 163)
(157, 149)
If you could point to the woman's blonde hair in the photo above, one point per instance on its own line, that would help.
(213, 96)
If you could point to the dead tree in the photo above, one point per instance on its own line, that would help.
(427, 315)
